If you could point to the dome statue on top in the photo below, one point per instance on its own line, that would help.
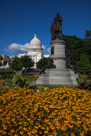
(56, 28)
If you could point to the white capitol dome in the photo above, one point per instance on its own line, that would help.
(35, 43)
(35, 50)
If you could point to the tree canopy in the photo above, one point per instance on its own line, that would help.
(84, 63)
(1, 58)
(16, 64)
(27, 61)
(42, 62)
(88, 34)
(4, 63)
(75, 47)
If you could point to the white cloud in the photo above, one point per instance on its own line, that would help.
(49, 50)
(18, 48)
(43, 46)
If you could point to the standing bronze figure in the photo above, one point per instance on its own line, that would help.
(56, 28)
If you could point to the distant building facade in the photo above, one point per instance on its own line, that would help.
(35, 51)
(7, 59)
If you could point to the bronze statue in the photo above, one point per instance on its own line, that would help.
(56, 28)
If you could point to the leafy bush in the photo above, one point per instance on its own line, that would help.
(6, 75)
(42, 62)
(4, 63)
(8, 80)
(27, 61)
(21, 81)
(84, 83)
(6, 70)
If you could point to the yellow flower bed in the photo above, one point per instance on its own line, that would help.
(83, 75)
(60, 112)
(2, 82)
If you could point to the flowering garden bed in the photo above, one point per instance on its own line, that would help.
(55, 112)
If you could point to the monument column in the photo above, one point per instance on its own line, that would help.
(59, 53)
(57, 73)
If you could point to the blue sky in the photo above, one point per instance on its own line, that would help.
(19, 19)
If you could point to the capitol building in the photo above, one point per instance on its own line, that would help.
(35, 50)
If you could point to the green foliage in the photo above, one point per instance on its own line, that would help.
(6, 70)
(21, 81)
(42, 62)
(0, 63)
(87, 48)
(8, 80)
(78, 81)
(84, 63)
(75, 47)
(16, 64)
(1, 58)
(88, 34)
(6, 75)
(83, 83)
(4, 63)
(27, 61)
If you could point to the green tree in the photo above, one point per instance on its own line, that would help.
(1, 58)
(27, 61)
(42, 62)
(75, 47)
(0, 63)
(88, 34)
(16, 64)
(4, 63)
(84, 63)
(87, 48)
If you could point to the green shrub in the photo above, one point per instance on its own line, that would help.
(21, 81)
(84, 83)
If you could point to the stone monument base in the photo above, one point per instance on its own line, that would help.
(61, 75)
(57, 76)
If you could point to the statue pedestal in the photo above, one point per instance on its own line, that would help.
(59, 75)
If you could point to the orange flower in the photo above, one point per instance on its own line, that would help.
(72, 134)
(4, 132)
(82, 133)
(21, 132)
(45, 131)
